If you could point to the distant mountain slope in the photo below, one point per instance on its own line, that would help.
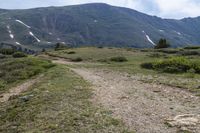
(93, 24)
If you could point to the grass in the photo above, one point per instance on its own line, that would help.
(15, 70)
(59, 103)
(135, 58)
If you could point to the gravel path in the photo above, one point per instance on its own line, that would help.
(144, 107)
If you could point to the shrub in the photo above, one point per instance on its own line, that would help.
(147, 65)
(118, 59)
(168, 51)
(192, 47)
(156, 55)
(173, 65)
(19, 55)
(71, 52)
(7, 51)
(162, 44)
(187, 53)
(2, 56)
(78, 59)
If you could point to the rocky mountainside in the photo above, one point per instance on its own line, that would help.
(94, 24)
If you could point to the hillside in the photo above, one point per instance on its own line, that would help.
(93, 24)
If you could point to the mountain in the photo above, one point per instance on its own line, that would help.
(94, 24)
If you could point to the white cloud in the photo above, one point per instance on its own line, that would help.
(162, 8)
(178, 8)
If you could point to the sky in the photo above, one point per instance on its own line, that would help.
(176, 9)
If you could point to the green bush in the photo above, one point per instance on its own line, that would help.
(192, 47)
(173, 65)
(19, 55)
(7, 51)
(118, 59)
(168, 51)
(71, 52)
(187, 53)
(147, 65)
(78, 59)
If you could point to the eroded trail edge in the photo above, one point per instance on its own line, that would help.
(144, 107)
(19, 89)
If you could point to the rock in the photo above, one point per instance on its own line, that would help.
(184, 120)
(26, 98)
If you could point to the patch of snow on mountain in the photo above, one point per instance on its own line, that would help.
(50, 33)
(177, 32)
(38, 40)
(22, 23)
(18, 43)
(58, 39)
(10, 32)
(148, 38)
(95, 21)
(161, 30)
(11, 36)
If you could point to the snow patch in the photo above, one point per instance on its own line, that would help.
(177, 32)
(58, 39)
(148, 38)
(50, 33)
(22, 23)
(38, 40)
(18, 43)
(95, 21)
(11, 36)
(161, 30)
(10, 32)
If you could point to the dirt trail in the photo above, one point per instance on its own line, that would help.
(144, 107)
(19, 89)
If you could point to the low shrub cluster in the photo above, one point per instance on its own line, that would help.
(192, 47)
(168, 51)
(118, 59)
(173, 65)
(13, 70)
(78, 59)
(19, 55)
(7, 51)
(71, 52)
(189, 53)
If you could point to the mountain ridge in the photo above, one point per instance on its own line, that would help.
(96, 24)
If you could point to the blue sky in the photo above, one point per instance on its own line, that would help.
(163, 8)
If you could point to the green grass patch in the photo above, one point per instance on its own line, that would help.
(13, 70)
(59, 103)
